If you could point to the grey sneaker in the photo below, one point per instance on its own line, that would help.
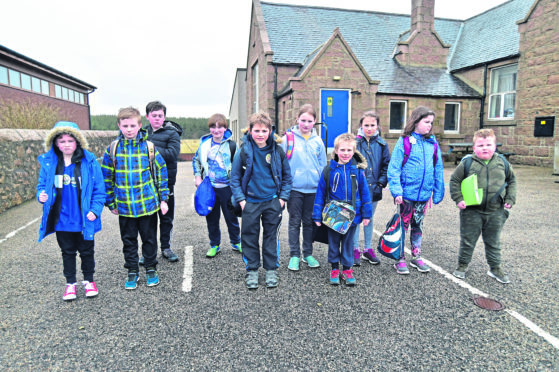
(460, 271)
(370, 256)
(420, 265)
(271, 278)
(251, 279)
(401, 268)
(170, 255)
(499, 275)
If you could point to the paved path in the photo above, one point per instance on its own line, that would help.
(201, 316)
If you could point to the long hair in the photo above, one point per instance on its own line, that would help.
(416, 116)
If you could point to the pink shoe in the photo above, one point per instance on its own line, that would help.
(70, 292)
(90, 289)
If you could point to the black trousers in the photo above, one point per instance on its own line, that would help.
(146, 226)
(222, 195)
(269, 214)
(70, 243)
(166, 221)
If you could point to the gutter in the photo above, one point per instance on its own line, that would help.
(484, 95)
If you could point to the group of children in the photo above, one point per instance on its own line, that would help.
(138, 173)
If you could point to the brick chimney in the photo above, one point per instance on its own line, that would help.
(423, 46)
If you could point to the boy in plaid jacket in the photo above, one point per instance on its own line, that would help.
(135, 192)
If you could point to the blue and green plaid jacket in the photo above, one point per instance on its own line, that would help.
(129, 184)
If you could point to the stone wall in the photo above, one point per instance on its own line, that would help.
(19, 168)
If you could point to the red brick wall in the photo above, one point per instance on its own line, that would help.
(537, 91)
(69, 111)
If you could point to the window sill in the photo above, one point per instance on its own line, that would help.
(499, 123)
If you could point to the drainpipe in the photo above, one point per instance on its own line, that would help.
(482, 110)
(89, 106)
(276, 98)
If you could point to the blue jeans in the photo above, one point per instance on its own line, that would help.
(367, 231)
(340, 247)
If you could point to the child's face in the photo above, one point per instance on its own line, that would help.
(260, 134)
(484, 148)
(129, 127)
(369, 126)
(217, 131)
(424, 125)
(345, 152)
(66, 144)
(306, 122)
(156, 119)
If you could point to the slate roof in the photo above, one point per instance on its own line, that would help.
(296, 31)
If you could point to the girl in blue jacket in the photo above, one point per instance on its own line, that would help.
(307, 158)
(72, 191)
(415, 178)
(375, 150)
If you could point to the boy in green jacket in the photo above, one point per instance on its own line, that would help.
(496, 178)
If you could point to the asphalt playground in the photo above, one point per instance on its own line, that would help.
(201, 317)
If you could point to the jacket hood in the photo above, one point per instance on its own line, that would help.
(358, 159)
(141, 136)
(66, 127)
(173, 125)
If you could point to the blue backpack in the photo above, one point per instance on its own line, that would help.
(391, 242)
(204, 199)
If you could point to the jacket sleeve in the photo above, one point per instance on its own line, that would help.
(366, 205)
(98, 194)
(236, 177)
(286, 178)
(438, 193)
(395, 169)
(107, 167)
(319, 200)
(385, 160)
(197, 163)
(171, 151)
(161, 176)
(510, 197)
(322, 157)
(455, 182)
(41, 185)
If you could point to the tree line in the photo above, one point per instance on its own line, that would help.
(193, 128)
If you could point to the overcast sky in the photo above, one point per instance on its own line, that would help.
(184, 53)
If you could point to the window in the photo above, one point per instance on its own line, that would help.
(502, 92)
(70, 95)
(82, 100)
(57, 91)
(397, 116)
(14, 79)
(3, 75)
(65, 93)
(26, 81)
(45, 87)
(255, 87)
(452, 117)
(36, 84)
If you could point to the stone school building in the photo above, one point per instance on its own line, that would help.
(498, 69)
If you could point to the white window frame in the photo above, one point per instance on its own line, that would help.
(458, 116)
(501, 95)
(390, 130)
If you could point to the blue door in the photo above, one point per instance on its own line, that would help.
(334, 106)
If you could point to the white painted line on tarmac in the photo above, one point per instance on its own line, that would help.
(188, 269)
(554, 341)
(13, 233)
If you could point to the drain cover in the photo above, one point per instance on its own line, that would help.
(488, 303)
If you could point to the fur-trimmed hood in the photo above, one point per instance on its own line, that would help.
(65, 127)
(360, 161)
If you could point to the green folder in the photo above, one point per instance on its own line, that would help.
(470, 192)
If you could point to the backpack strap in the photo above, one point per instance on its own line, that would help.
(232, 149)
(151, 157)
(407, 151)
(113, 151)
(290, 144)
(326, 176)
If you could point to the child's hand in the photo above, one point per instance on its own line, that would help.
(398, 200)
(91, 216)
(461, 205)
(317, 223)
(242, 203)
(197, 181)
(282, 203)
(508, 206)
(43, 197)
(114, 211)
(366, 221)
(164, 207)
